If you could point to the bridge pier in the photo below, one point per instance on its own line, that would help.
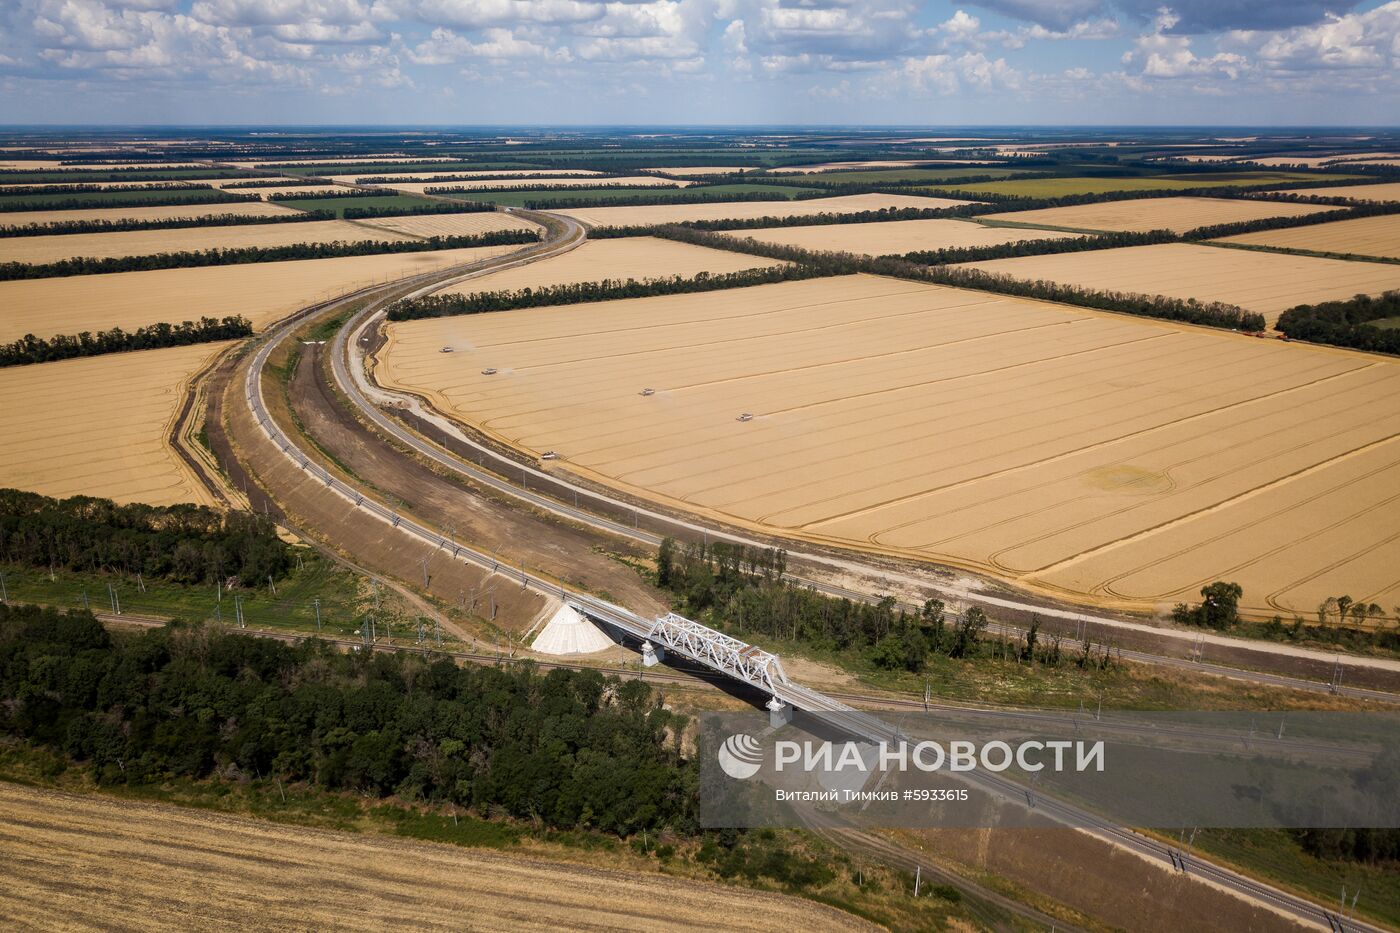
(652, 655)
(779, 713)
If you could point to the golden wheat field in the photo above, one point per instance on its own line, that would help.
(1101, 456)
(261, 292)
(1175, 214)
(838, 166)
(429, 225)
(164, 212)
(741, 210)
(1269, 283)
(91, 862)
(39, 249)
(894, 237)
(1387, 191)
(621, 258)
(98, 425)
(1364, 236)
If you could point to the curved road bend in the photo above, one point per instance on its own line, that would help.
(1282, 901)
(347, 354)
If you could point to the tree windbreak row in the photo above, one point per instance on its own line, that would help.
(125, 224)
(253, 254)
(429, 306)
(569, 749)
(31, 349)
(182, 543)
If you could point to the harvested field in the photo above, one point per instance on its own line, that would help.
(80, 862)
(738, 210)
(262, 292)
(1269, 283)
(1387, 191)
(894, 237)
(426, 225)
(579, 181)
(1106, 458)
(1175, 214)
(163, 212)
(338, 205)
(623, 258)
(97, 426)
(40, 249)
(1364, 236)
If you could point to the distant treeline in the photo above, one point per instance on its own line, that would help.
(251, 254)
(30, 349)
(1043, 246)
(114, 175)
(1346, 323)
(445, 179)
(1211, 314)
(326, 195)
(429, 306)
(427, 207)
(884, 215)
(562, 749)
(183, 543)
(149, 197)
(32, 190)
(531, 185)
(273, 182)
(566, 203)
(63, 227)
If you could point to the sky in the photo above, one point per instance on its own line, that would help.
(867, 62)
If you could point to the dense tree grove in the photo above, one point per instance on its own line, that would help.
(183, 543)
(64, 227)
(1218, 609)
(1358, 845)
(568, 749)
(743, 591)
(250, 254)
(109, 175)
(1038, 247)
(580, 292)
(1346, 323)
(31, 349)
(147, 197)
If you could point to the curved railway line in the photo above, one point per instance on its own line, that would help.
(351, 381)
